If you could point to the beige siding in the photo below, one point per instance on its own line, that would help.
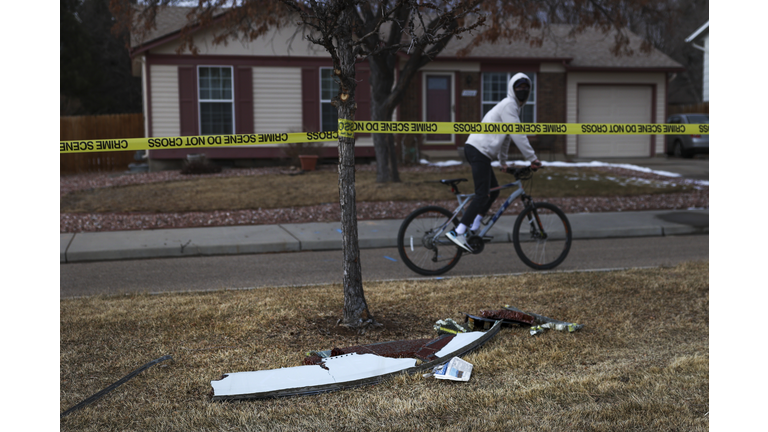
(164, 81)
(576, 78)
(277, 102)
(276, 99)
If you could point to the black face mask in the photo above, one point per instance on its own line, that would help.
(521, 94)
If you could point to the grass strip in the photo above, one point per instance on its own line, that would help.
(641, 362)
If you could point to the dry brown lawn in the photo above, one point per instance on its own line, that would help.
(318, 187)
(640, 363)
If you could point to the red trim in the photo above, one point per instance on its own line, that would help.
(188, 116)
(565, 113)
(251, 153)
(243, 100)
(148, 94)
(310, 99)
(363, 96)
(231, 60)
(622, 69)
(509, 65)
(495, 59)
(420, 95)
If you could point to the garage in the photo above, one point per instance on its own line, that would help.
(614, 104)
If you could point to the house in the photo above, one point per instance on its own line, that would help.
(280, 83)
(702, 35)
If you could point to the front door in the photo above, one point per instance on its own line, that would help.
(438, 103)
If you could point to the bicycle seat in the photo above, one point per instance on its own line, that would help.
(452, 182)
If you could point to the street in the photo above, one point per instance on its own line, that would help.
(303, 268)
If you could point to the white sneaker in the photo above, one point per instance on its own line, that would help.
(459, 239)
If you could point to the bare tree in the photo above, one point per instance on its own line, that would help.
(381, 31)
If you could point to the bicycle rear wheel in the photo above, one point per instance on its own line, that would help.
(418, 248)
(542, 236)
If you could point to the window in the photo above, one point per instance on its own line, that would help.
(495, 89)
(698, 119)
(329, 116)
(217, 104)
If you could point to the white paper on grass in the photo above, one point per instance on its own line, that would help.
(344, 368)
(455, 370)
(460, 340)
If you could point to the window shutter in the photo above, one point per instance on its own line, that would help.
(310, 99)
(188, 101)
(244, 101)
(363, 96)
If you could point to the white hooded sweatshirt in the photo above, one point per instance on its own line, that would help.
(506, 111)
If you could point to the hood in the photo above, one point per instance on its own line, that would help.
(511, 91)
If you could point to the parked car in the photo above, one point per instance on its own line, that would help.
(687, 145)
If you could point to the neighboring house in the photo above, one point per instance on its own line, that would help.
(702, 35)
(280, 83)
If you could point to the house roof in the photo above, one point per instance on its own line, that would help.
(699, 31)
(168, 24)
(590, 49)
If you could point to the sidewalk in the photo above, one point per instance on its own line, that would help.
(188, 242)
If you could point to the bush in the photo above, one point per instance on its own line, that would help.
(199, 164)
(293, 150)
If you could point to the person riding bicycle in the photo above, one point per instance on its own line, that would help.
(481, 149)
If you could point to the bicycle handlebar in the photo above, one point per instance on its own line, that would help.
(519, 173)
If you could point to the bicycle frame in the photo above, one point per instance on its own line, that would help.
(465, 198)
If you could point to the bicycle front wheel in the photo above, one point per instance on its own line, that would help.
(420, 250)
(542, 236)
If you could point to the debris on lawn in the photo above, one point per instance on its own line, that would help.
(448, 326)
(455, 370)
(422, 349)
(114, 385)
(570, 327)
(544, 323)
(343, 368)
(486, 318)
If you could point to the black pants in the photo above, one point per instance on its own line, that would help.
(484, 179)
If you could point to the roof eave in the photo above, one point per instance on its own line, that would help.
(563, 60)
(571, 68)
(146, 46)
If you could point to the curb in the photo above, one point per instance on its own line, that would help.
(256, 239)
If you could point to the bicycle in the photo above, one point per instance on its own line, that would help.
(541, 234)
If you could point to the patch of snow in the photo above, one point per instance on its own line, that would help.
(593, 164)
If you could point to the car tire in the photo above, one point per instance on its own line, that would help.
(679, 151)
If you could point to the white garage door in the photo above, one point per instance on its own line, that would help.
(614, 104)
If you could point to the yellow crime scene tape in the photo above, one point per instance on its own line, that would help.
(348, 128)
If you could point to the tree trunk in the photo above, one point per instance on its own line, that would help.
(382, 79)
(356, 313)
